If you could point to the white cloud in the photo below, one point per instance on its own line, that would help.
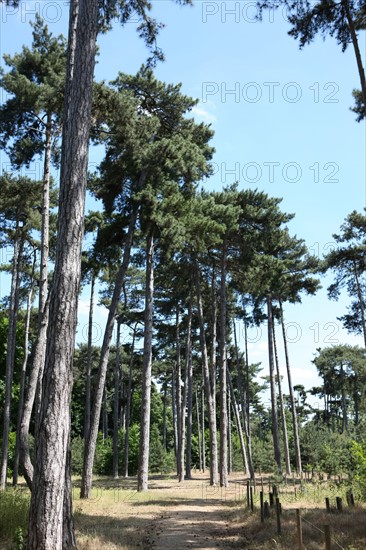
(202, 113)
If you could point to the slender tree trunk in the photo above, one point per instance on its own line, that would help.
(229, 438)
(174, 412)
(276, 442)
(89, 361)
(90, 444)
(143, 470)
(46, 522)
(128, 404)
(344, 405)
(116, 401)
(295, 426)
(10, 355)
(23, 372)
(207, 383)
(179, 408)
(199, 431)
(238, 424)
(164, 416)
(43, 278)
(223, 383)
(188, 397)
(356, 48)
(360, 299)
(282, 405)
(244, 410)
(105, 413)
(203, 430)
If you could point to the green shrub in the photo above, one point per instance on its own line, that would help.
(14, 510)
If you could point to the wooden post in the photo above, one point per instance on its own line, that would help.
(298, 529)
(262, 506)
(271, 500)
(266, 510)
(327, 537)
(262, 483)
(251, 499)
(275, 491)
(327, 504)
(278, 515)
(248, 502)
(339, 504)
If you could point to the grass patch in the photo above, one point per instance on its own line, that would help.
(14, 510)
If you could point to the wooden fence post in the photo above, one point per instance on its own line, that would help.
(251, 499)
(339, 504)
(327, 537)
(248, 502)
(278, 515)
(262, 506)
(298, 529)
(327, 504)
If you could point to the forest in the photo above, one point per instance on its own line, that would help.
(183, 272)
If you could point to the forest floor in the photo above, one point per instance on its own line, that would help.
(194, 515)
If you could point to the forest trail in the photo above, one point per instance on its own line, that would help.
(195, 524)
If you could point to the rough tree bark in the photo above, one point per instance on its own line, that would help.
(89, 361)
(46, 521)
(143, 469)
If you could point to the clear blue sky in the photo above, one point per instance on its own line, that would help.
(281, 119)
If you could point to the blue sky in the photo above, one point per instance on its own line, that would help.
(281, 119)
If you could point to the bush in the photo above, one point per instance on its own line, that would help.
(14, 510)
(358, 453)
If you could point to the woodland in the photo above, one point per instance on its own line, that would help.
(181, 270)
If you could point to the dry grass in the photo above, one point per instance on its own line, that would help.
(194, 515)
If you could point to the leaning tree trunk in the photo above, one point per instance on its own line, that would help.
(91, 442)
(238, 424)
(244, 410)
(282, 406)
(295, 425)
(46, 521)
(23, 372)
(128, 404)
(223, 365)
(276, 441)
(10, 355)
(143, 470)
(360, 299)
(352, 30)
(207, 384)
(89, 361)
(117, 376)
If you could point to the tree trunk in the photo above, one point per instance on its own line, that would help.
(343, 399)
(90, 444)
(174, 413)
(276, 442)
(199, 431)
(128, 404)
(23, 372)
(282, 405)
(164, 415)
(244, 409)
(89, 361)
(295, 426)
(179, 408)
(238, 424)
(223, 383)
(360, 299)
(46, 521)
(143, 470)
(356, 48)
(116, 401)
(207, 384)
(10, 355)
(203, 430)
(188, 389)
(229, 438)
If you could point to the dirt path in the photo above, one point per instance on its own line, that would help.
(195, 524)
